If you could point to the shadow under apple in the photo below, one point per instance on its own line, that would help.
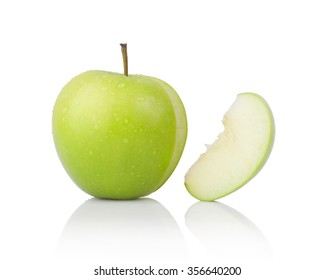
(123, 230)
(226, 233)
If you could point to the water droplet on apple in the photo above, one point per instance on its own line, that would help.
(140, 99)
(125, 140)
(126, 121)
(96, 126)
(121, 85)
(64, 109)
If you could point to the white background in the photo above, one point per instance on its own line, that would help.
(279, 225)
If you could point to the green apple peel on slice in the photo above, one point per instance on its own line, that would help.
(238, 154)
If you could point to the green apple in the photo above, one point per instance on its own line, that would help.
(119, 136)
(238, 154)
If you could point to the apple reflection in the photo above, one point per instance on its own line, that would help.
(226, 233)
(128, 230)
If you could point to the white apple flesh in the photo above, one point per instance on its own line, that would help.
(238, 154)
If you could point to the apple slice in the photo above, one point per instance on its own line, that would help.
(238, 154)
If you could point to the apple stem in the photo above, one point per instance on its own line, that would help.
(125, 58)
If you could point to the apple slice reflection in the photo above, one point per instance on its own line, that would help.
(226, 233)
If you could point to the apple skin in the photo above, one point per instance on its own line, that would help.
(238, 154)
(117, 136)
